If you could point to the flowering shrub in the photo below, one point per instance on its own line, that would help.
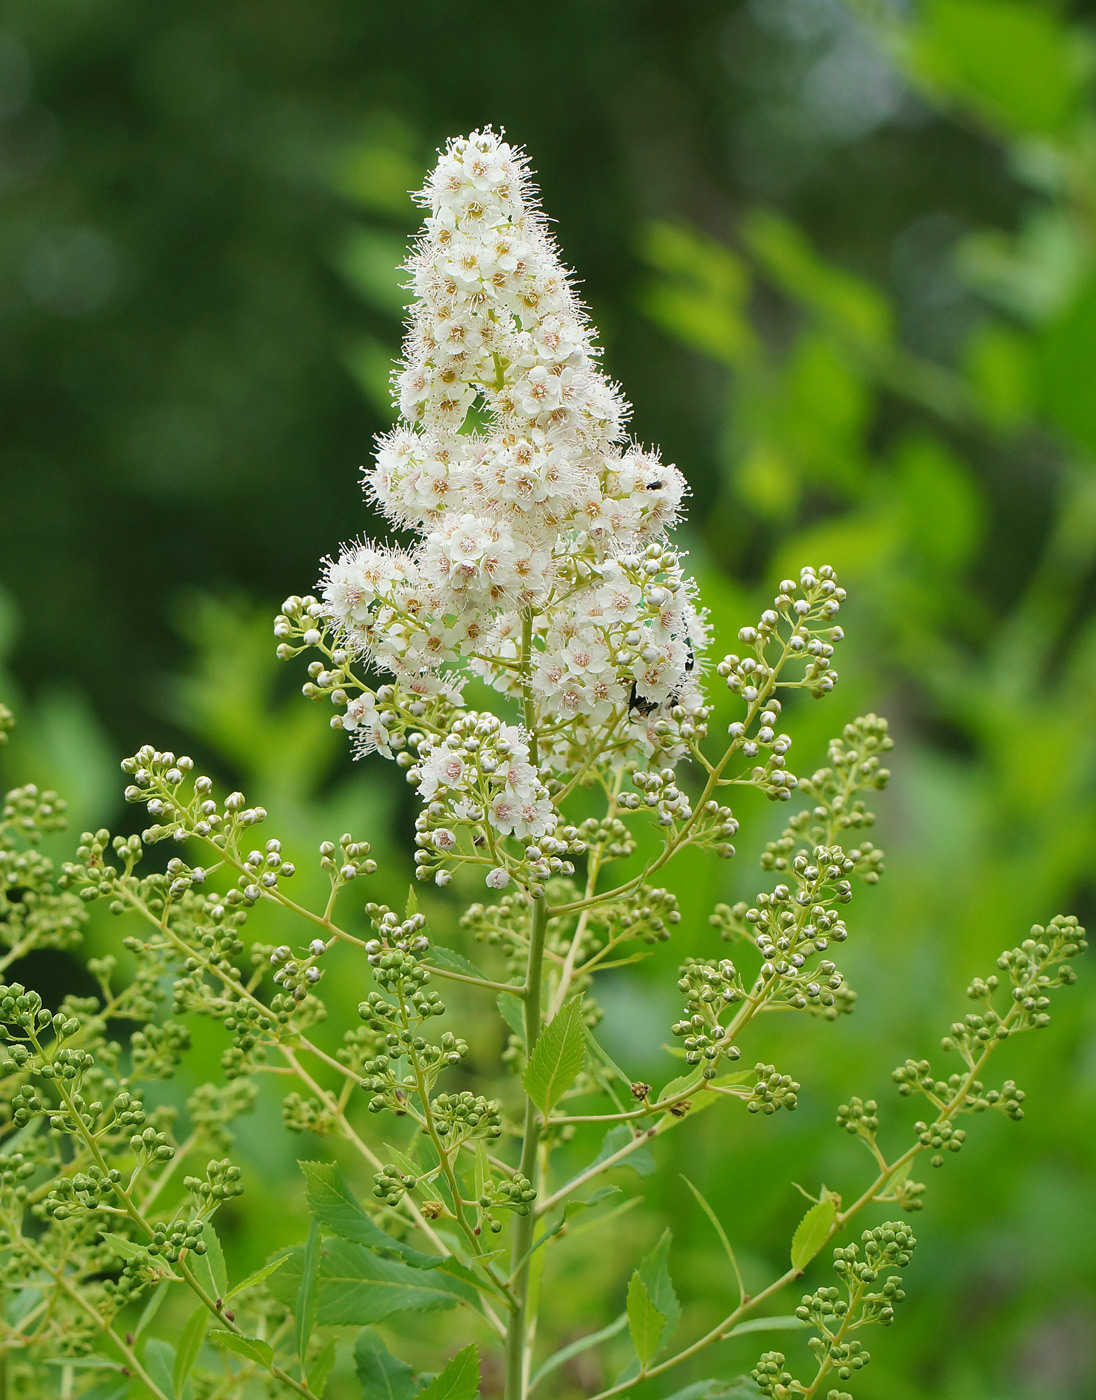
(541, 578)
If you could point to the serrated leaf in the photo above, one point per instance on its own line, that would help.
(190, 1344)
(356, 1286)
(209, 1268)
(812, 1232)
(646, 1323)
(641, 1159)
(250, 1347)
(159, 1362)
(331, 1202)
(512, 1011)
(654, 1270)
(256, 1277)
(454, 961)
(382, 1375)
(304, 1310)
(119, 1245)
(459, 1380)
(557, 1058)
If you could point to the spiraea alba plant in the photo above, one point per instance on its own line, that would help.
(540, 575)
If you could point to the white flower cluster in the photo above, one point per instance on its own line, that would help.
(532, 508)
(481, 770)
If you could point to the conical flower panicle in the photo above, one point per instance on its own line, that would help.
(530, 503)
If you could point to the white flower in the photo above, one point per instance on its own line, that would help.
(497, 879)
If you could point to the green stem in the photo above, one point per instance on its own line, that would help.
(524, 1225)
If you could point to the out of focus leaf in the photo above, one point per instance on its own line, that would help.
(1015, 64)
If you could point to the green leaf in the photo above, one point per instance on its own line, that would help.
(119, 1245)
(455, 962)
(305, 1309)
(251, 1347)
(256, 1277)
(603, 1055)
(851, 306)
(1016, 65)
(557, 1058)
(460, 1379)
(512, 1011)
(710, 1213)
(156, 1297)
(593, 1339)
(812, 1232)
(209, 1268)
(412, 906)
(641, 1160)
(113, 1388)
(1065, 360)
(646, 1323)
(322, 1367)
(356, 1286)
(768, 1324)
(159, 1362)
(190, 1344)
(382, 1375)
(716, 1390)
(655, 1273)
(331, 1202)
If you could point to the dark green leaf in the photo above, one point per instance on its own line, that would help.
(331, 1202)
(356, 1286)
(382, 1375)
(512, 1011)
(641, 1159)
(159, 1362)
(304, 1310)
(812, 1232)
(321, 1368)
(251, 1347)
(459, 1380)
(557, 1058)
(190, 1344)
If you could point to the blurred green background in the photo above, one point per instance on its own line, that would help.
(842, 259)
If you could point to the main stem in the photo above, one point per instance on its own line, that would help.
(524, 1225)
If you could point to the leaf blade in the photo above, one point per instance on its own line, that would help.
(190, 1344)
(382, 1375)
(812, 1232)
(305, 1310)
(646, 1323)
(250, 1347)
(459, 1380)
(557, 1058)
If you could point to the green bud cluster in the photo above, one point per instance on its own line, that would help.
(772, 1091)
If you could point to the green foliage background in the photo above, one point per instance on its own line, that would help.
(842, 259)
